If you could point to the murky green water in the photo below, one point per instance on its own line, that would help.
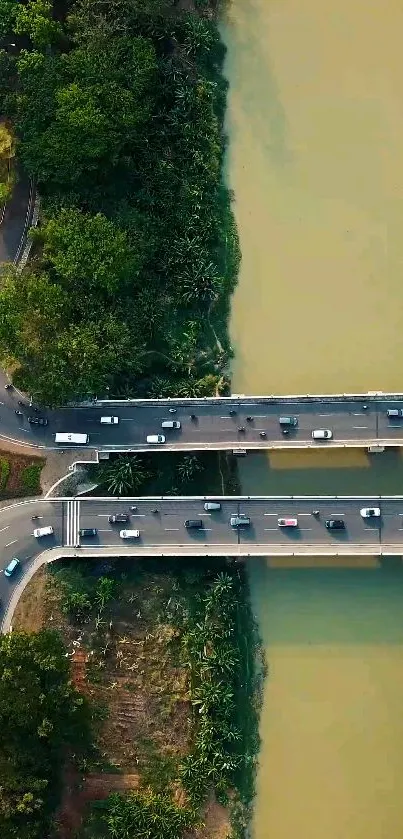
(316, 131)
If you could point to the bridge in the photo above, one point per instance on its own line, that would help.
(234, 423)
(163, 533)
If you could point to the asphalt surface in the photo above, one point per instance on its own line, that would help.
(164, 532)
(15, 221)
(213, 426)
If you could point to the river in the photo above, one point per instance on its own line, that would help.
(315, 125)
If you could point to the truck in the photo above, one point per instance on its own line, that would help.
(72, 439)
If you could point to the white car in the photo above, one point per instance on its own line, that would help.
(155, 438)
(43, 531)
(370, 512)
(129, 534)
(290, 522)
(109, 420)
(322, 434)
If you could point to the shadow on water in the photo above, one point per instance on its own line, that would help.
(337, 472)
(329, 606)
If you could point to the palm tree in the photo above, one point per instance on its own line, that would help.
(188, 467)
(124, 475)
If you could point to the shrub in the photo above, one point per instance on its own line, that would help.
(30, 478)
(4, 472)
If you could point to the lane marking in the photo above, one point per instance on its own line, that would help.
(171, 529)
(270, 528)
(6, 528)
(306, 528)
(360, 426)
(11, 543)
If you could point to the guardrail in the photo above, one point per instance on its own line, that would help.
(370, 396)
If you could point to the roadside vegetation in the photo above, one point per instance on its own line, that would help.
(19, 475)
(168, 650)
(118, 110)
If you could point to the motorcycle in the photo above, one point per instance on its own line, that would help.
(133, 509)
(19, 413)
(34, 518)
(172, 410)
(8, 387)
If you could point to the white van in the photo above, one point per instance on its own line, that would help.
(170, 424)
(129, 534)
(109, 420)
(155, 438)
(72, 439)
(43, 531)
(212, 505)
(322, 434)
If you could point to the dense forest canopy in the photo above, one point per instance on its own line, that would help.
(117, 109)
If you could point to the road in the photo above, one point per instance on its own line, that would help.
(15, 222)
(213, 426)
(164, 533)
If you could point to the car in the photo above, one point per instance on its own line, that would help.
(194, 524)
(370, 512)
(155, 438)
(119, 518)
(129, 534)
(43, 531)
(88, 531)
(322, 434)
(38, 420)
(290, 522)
(335, 524)
(288, 421)
(394, 413)
(170, 424)
(212, 505)
(12, 566)
(109, 420)
(239, 520)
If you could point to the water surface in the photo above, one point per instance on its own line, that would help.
(315, 159)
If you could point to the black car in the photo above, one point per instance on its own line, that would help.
(119, 518)
(88, 531)
(38, 420)
(335, 524)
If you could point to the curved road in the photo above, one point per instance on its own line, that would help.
(164, 533)
(15, 221)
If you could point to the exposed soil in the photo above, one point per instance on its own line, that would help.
(79, 791)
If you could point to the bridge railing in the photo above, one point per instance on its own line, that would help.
(274, 399)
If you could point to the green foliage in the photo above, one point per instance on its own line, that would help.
(8, 9)
(124, 476)
(188, 467)
(30, 478)
(122, 127)
(35, 19)
(5, 468)
(141, 813)
(40, 714)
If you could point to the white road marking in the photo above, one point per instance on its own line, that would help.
(305, 528)
(11, 543)
(275, 514)
(335, 515)
(270, 528)
(171, 528)
(360, 426)
(103, 515)
(304, 514)
(138, 515)
(6, 528)
(205, 514)
(327, 415)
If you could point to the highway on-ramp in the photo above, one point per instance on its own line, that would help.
(161, 522)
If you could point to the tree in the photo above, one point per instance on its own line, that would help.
(124, 475)
(35, 19)
(40, 714)
(188, 468)
(8, 9)
(89, 252)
